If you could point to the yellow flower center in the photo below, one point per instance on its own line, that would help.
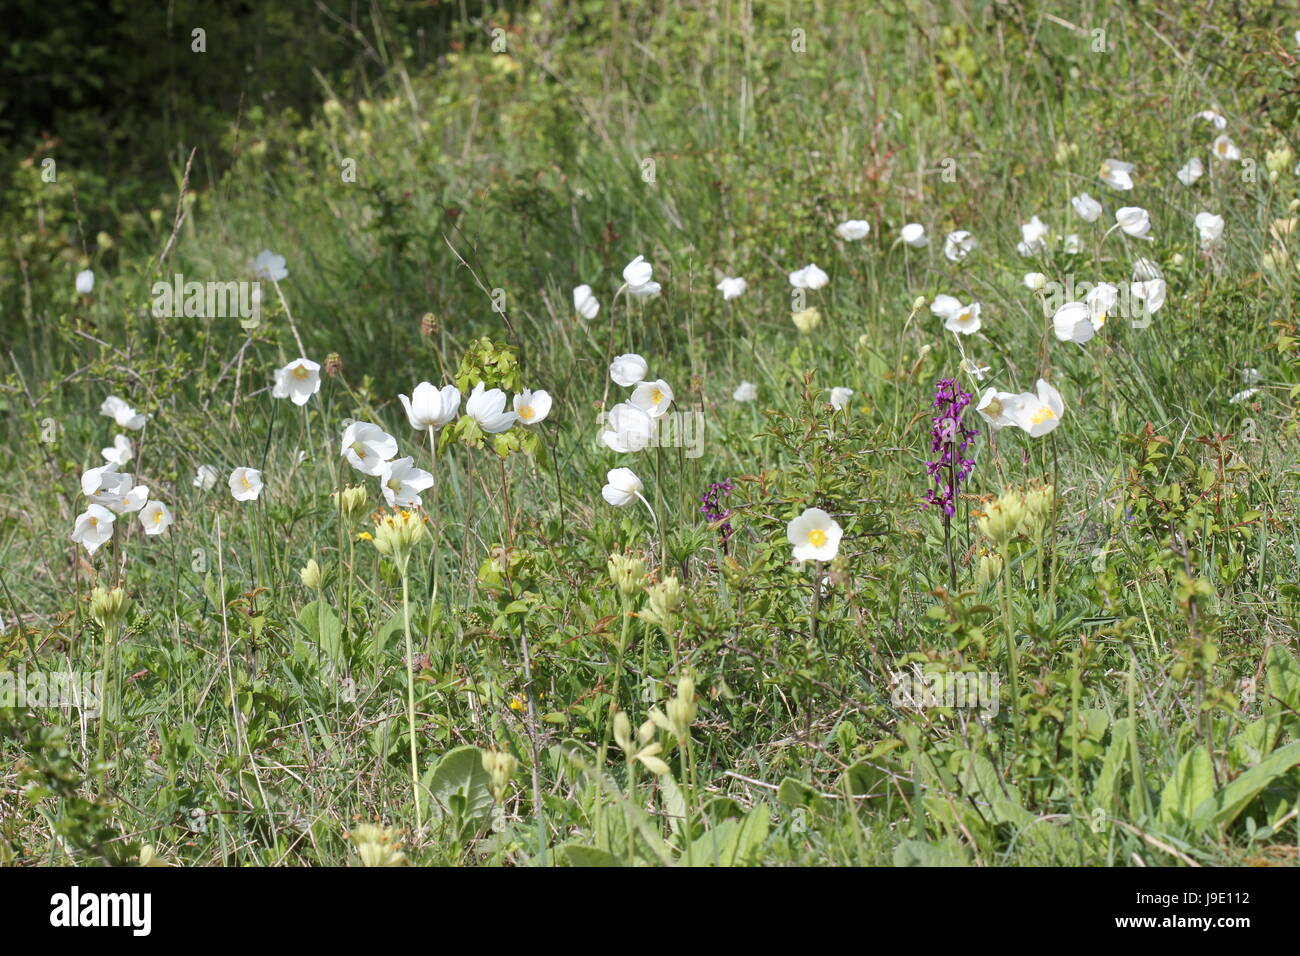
(395, 484)
(157, 517)
(656, 396)
(300, 372)
(247, 483)
(817, 538)
(526, 412)
(1044, 414)
(359, 449)
(93, 521)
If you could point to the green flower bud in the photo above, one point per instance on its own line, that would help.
(108, 606)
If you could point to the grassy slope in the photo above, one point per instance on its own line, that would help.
(531, 165)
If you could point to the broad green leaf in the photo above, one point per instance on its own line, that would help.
(460, 773)
(919, 853)
(1284, 676)
(1226, 805)
(1191, 784)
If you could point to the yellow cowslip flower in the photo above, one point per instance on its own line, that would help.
(807, 320)
(376, 846)
(1004, 517)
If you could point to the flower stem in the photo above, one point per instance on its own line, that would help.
(410, 696)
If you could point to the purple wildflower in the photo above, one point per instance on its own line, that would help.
(714, 510)
(949, 439)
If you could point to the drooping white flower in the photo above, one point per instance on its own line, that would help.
(1243, 396)
(622, 487)
(122, 413)
(957, 245)
(1102, 299)
(155, 518)
(1117, 174)
(745, 392)
(627, 429)
(245, 484)
(1218, 120)
(431, 407)
(913, 234)
(1225, 149)
(1209, 227)
(732, 288)
(120, 452)
(1151, 293)
(809, 277)
(402, 483)
(584, 302)
(1035, 281)
(1250, 375)
(487, 406)
(945, 306)
(638, 274)
(851, 230)
(85, 282)
(653, 398)
(367, 446)
(815, 536)
(1072, 322)
(840, 397)
(1072, 244)
(1033, 237)
(93, 527)
(998, 408)
(1190, 171)
(1086, 208)
(205, 477)
(965, 320)
(297, 381)
(269, 266)
(532, 407)
(1039, 413)
(627, 370)
(1134, 221)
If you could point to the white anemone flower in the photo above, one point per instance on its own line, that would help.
(297, 381)
(809, 277)
(653, 398)
(627, 370)
(584, 302)
(815, 536)
(1033, 237)
(1072, 245)
(1035, 281)
(1215, 118)
(913, 235)
(1151, 293)
(487, 406)
(431, 407)
(851, 230)
(402, 483)
(122, 496)
(622, 487)
(964, 321)
(1146, 269)
(1243, 396)
(1039, 413)
(945, 306)
(1190, 171)
(840, 397)
(1209, 227)
(1102, 299)
(93, 527)
(122, 413)
(269, 266)
(85, 282)
(638, 275)
(998, 408)
(96, 480)
(1225, 149)
(957, 245)
(1086, 208)
(627, 429)
(120, 452)
(1072, 322)
(245, 484)
(155, 518)
(532, 407)
(205, 477)
(732, 288)
(1117, 174)
(367, 446)
(1134, 221)
(745, 392)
